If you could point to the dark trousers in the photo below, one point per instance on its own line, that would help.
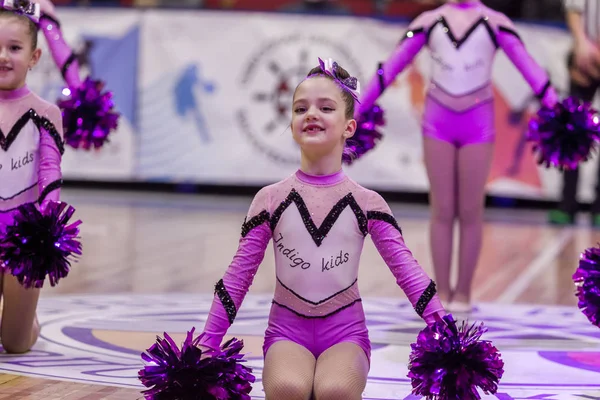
(569, 203)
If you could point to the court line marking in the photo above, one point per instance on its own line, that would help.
(551, 250)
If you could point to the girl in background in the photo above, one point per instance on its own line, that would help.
(458, 123)
(317, 343)
(31, 148)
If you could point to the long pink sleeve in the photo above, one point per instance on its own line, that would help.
(51, 148)
(534, 74)
(231, 290)
(405, 52)
(410, 276)
(63, 55)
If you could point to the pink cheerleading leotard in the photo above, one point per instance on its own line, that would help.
(318, 226)
(463, 39)
(31, 149)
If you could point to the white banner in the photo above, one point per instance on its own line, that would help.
(108, 52)
(214, 89)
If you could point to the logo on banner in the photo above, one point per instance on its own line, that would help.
(268, 81)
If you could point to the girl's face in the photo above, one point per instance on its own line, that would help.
(16, 53)
(319, 124)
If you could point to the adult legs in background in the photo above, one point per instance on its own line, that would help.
(474, 162)
(341, 373)
(19, 329)
(289, 371)
(440, 162)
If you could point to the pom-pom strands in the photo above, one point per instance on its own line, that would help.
(366, 136)
(565, 135)
(449, 363)
(194, 374)
(88, 116)
(587, 283)
(40, 244)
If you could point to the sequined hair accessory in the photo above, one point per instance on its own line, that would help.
(23, 7)
(350, 84)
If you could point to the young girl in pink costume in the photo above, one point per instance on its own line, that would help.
(317, 343)
(31, 148)
(458, 123)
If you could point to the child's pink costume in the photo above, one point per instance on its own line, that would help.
(31, 147)
(318, 225)
(463, 39)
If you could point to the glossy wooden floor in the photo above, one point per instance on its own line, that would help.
(148, 243)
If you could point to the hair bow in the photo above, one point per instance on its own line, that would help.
(25, 7)
(351, 84)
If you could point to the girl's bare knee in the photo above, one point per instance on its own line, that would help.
(16, 345)
(284, 388)
(337, 390)
(20, 342)
(444, 214)
(470, 215)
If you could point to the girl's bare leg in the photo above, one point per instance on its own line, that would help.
(19, 329)
(440, 161)
(474, 163)
(289, 372)
(341, 373)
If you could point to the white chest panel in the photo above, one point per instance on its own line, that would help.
(19, 163)
(462, 66)
(317, 272)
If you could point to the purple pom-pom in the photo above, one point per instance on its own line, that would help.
(88, 116)
(566, 134)
(449, 363)
(587, 283)
(366, 134)
(194, 374)
(40, 244)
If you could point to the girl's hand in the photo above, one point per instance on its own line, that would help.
(206, 351)
(550, 99)
(46, 7)
(587, 58)
(435, 318)
(42, 207)
(438, 317)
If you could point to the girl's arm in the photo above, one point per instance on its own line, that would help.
(232, 288)
(51, 150)
(62, 54)
(509, 40)
(387, 237)
(410, 45)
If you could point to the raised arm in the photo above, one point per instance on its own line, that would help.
(510, 42)
(410, 276)
(61, 52)
(411, 43)
(233, 287)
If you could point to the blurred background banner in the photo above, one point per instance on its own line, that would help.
(206, 97)
(111, 52)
